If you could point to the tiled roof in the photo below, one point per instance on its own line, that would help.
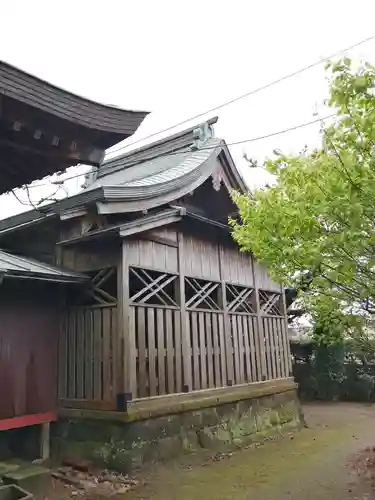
(14, 266)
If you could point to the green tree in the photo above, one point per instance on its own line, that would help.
(319, 218)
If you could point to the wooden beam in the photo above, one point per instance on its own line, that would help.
(227, 327)
(185, 330)
(27, 420)
(146, 408)
(261, 353)
(127, 329)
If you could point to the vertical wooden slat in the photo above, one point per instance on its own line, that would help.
(277, 347)
(161, 350)
(241, 350)
(98, 392)
(260, 344)
(283, 359)
(209, 350)
(151, 351)
(72, 356)
(236, 349)
(195, 347)
(170, 351)
(185, 330)
(113, 349)
(223, 355)
(89, 354)
(80, 354)
(245, 329)
(63, 356)
(287, 354)
(216, 352)
(203, 350)
(142, 367)
(227, 326)
(107, 379)
(127, 328)
(252, 324)
(266, 330)
(178, 352)
(275, 344)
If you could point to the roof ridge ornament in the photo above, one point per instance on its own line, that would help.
(201, 135)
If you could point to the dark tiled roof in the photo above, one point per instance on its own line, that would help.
(14, 266)
(37, 93)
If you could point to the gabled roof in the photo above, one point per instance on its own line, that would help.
(13, 266)
(153, 176)
(165, 170)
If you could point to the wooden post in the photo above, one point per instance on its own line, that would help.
(261, 355)
(127, 353)
(227, 326)
(285, 340)
(185, 330)
(45, 441)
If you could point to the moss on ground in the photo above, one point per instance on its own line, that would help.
(262, 471)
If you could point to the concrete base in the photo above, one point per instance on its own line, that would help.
(123, 445)
(33, 479)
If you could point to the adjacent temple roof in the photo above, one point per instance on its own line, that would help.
(44, 129)
(12, 266)
(152, 176)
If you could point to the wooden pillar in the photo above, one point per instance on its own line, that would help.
(261, 353)
(127, 382)
(286, 343)
(45, 441)
(227, 325)
(185, 329)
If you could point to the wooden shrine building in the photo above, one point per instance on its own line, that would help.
(170, 306)
(43, 130)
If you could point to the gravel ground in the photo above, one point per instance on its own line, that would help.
(329, 460)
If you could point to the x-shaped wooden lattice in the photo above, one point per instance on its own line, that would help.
(97, 292)
(238, 298)
(153, 287)
(202, 295)
(269, 303)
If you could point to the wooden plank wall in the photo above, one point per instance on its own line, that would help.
(87, 355)
(223, 347)
(180, 345)
(158, 350)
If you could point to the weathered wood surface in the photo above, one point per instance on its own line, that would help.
(87, 336)
(192, 315)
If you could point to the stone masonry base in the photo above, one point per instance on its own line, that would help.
(123, 445)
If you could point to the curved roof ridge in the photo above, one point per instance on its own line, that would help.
(168, 144)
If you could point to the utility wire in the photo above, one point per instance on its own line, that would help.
(236, 143)
(232, 101)
(247, 94)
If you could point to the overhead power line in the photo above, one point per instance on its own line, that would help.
(236, 143)
(247, 94)
(232, 101)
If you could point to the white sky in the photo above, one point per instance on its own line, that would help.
(178, 58)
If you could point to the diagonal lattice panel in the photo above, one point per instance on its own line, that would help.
(270, 303)
(152, 287)
(201, 294)
(240, 299)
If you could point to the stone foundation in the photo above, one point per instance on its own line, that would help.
(122, 441)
